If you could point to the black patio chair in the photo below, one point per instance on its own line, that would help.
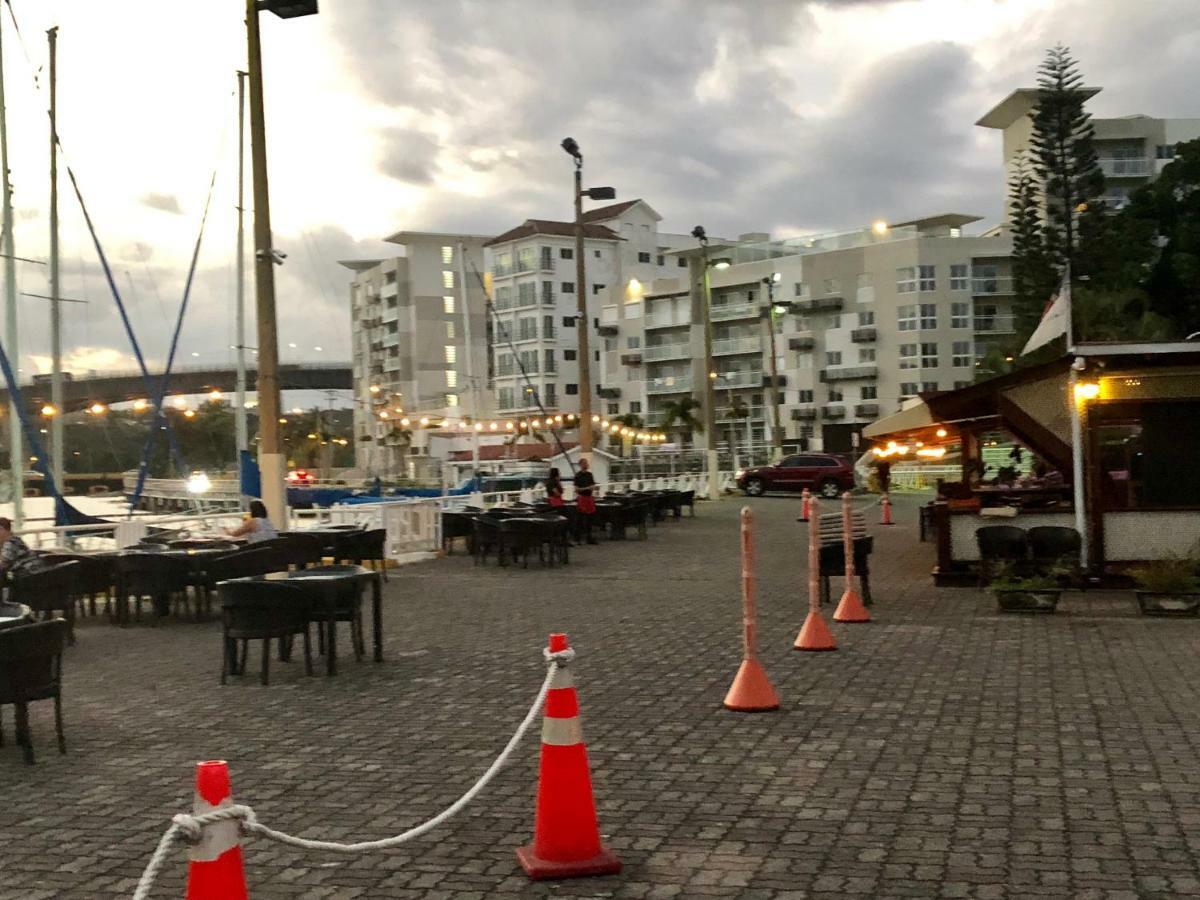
(487, 537)
(54, 589)
(295, 548)
(523, 535)
(362, 547)
(833, 564)
(262, 611)
(1001, 547)
(94, 577)
(31, 670)
(456, 525)
(164, 579)
(687, 499)
(1056, 550)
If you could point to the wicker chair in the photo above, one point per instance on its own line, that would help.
(31, 670)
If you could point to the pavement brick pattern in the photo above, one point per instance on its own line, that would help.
(943, 751)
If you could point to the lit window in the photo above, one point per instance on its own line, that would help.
(928, 316)
(906, 317)
(928, 278)
(447, 279)
(962, 354)
(906, 280)
(929, 356)
(447, 255)
(449, 331)
(452, 378)
(452, 399)
(960, 315)
(448, 305)
(908, 356)
(959, 278)
(451, 354)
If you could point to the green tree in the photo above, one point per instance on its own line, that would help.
(1064, 152)
(682, 416)
(1034, 277)
(628, 420)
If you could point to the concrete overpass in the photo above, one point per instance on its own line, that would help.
(116, 387)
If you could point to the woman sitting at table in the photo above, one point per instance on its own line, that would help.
(15, 556)
(554, 489)
(258, 527)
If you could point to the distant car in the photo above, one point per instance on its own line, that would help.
(301, 476)
(822, 473)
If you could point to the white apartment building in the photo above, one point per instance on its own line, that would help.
(1133, 149)
(419, 333)
(533, 342)
(873, 316)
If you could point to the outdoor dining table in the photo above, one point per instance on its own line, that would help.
(325, 582)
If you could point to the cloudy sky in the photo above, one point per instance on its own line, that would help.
(775, 115)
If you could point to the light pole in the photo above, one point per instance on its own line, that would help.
(710, 397)
(272, 462)
(583, 322)
(769, 318)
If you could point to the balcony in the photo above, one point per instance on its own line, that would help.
(866, 410)
(727, 380)
(848, 373)
(679, 350)
(548, 298)
(631, 359)
(392, 340)
(1001, 285)
(546, 264)
(995, 324)
(666, 320)
(804, 413)
(818, 304)
(502, 271)
(833, 411)
(734, 311)
(736, 345)
(1138, 167)
(864, 335)
(670, 384)
(522, 336)
(609, 393)
(766, 382)
(609, 330)
(752, 413)
(801, 342)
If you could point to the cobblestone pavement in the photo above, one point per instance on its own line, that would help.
(943, 751)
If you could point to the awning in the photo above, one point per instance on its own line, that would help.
(916, 415)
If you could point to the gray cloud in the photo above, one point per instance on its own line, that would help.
(408, 155)
(167, 203)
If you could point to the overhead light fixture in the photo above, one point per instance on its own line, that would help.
(722, 263)
(571, 147)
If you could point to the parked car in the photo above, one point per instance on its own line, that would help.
(822, 473)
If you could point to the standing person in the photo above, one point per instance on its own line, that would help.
(15, 556)
(554, 488)
(258, 527)
(884, 472)
(585, 483)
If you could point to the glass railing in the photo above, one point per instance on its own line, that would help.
(734, 311)
(995, 324)
(665, 320)
(670, 384)
(668, 351)
(737, 345)
(997, 284)
(1135, 167)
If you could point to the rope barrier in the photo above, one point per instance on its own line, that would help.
(189, 828)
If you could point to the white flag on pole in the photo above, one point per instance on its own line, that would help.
(1056, 320)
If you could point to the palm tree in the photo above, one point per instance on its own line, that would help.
(682, 412)
(738, 411)
(628, 420)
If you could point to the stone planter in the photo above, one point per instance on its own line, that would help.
(1040, 601)
(1153, 603)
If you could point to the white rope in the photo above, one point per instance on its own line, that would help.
(189, 827)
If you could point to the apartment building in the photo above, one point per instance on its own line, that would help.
(865, 319)
(1133, 149)
(419, 332)
(533, 342)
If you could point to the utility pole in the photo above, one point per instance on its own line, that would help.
(710, 372)
(57, 451)
(272, 461)
(769, 318)
(468, 352)
(583, 322)
(16, 450)
(240, 415)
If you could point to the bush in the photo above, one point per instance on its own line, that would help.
(1173, 575)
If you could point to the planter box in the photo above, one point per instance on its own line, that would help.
(1028, 601)
(1154, 604)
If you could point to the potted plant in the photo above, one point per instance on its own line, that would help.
(1036, 593)
(1169, 587)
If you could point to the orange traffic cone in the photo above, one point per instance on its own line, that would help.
(215, 871)
(751, 690)
(805, 498)
(815, 634)
(566, 834)
(887, 511)
(850, 607)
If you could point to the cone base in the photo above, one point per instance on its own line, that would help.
(851, 609)
(603, 863)
(815, 635)
(751, 690)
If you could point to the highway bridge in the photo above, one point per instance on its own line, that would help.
(117, 387)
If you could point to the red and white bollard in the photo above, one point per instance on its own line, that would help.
(887, 511)
(850, 608)
(805, 504)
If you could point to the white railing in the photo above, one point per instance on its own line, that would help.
(738, 379)
(1135, 167)
(734, 311)
(666, 320)
(673, 384)
(680, 350)
(737, 345)
(125, 532)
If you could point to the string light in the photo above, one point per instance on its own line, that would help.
(189, 414)
(404, 422)
(140, 405)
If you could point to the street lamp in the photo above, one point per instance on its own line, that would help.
(272, 462)
(710, 398)
(769, 317)
(582, 319)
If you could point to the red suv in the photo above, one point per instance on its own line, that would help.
(821, 473)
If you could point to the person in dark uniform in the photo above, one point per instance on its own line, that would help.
(554, 488)
(884, 473)
(585, 483)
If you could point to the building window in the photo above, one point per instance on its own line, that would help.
(906, 317)
(452, 378)
(451, 354)
(959, 278)
(908, 389)
(568, 355)
(643, 257)
(550, 395)
(835, 321)
(928, 316)
(962, 354)
(452, 399)
(448, 279)
(833, 357)
(548, 362)
(661, 261)
(866, 354)
(869, 392)
(568, 321)
(836, 395)
(633, 342)
(610, 344)
(389, 277)
(959, 385)
(635, 406)
(547, 293)
(597, 252)
(505, 397)
(450, 330)
(596, 289)
(448, 305)
(567, 287)
(804, 396)
(831, 286)
(547, 256)
(801, 289)
(906, 280)
(928, 387)
(527, 329)
(1166, 151)
(960, 315)
(928, 278)
(683, 262)
(929, 356)
(866, 318)
(529, 361)
(447, 256)
(571, 390)
(566, 253)
(908, 356)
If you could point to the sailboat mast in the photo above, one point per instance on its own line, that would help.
(56, 377)
(15, 442)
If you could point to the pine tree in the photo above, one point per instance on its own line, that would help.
(1064, 152)
(1034, 278)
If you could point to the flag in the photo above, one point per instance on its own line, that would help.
(1056, 320)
